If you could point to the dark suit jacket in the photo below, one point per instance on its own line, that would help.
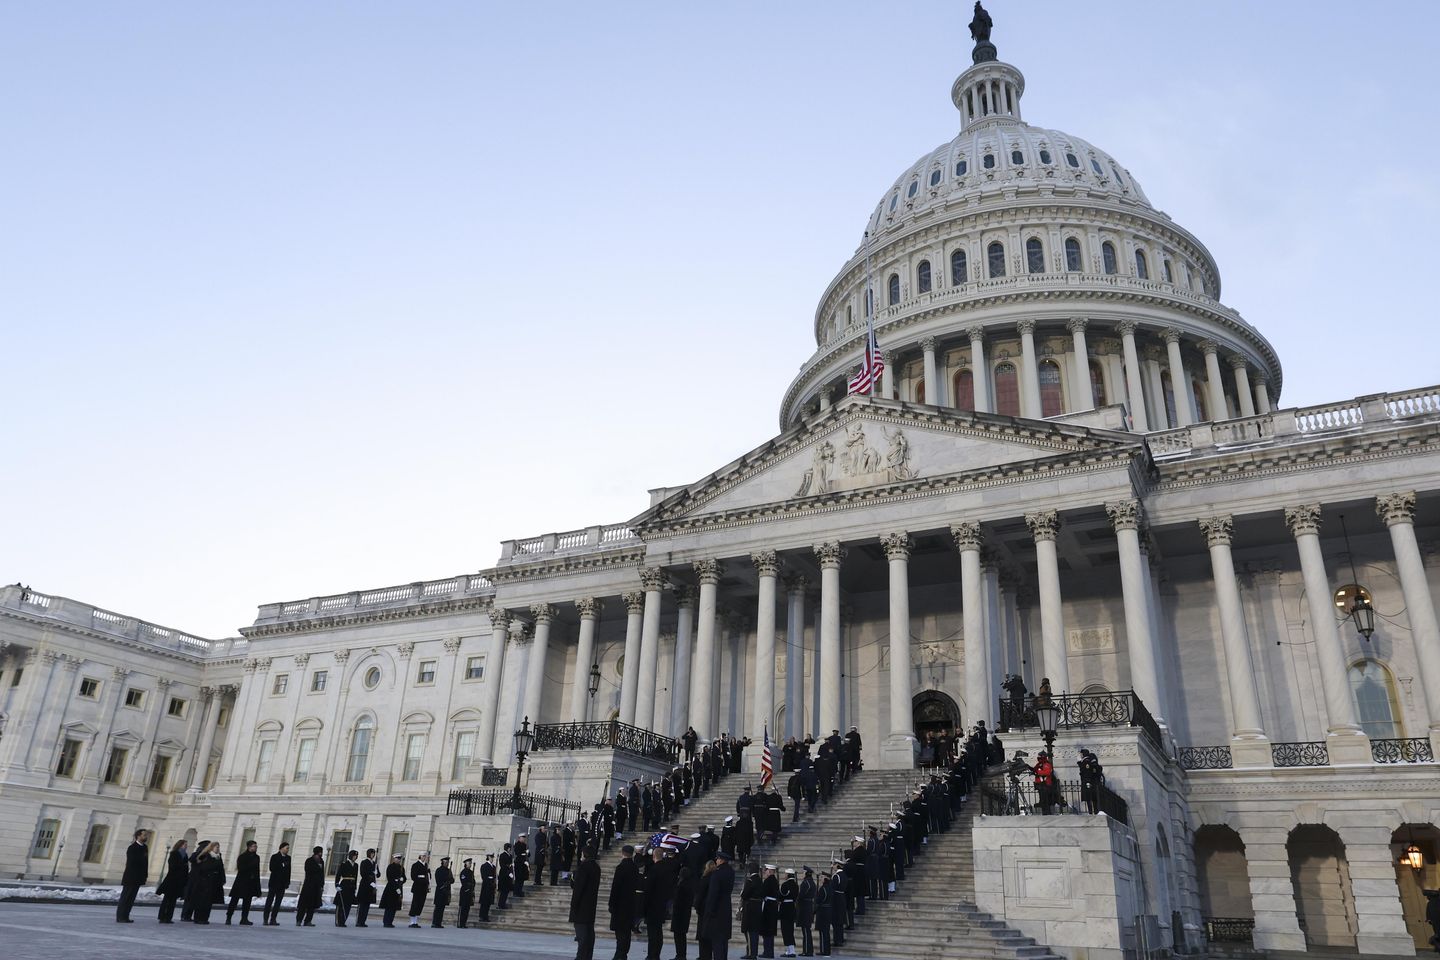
(312, 888)
(247, 876)
(279, 871)
(622, 895)
(369, 873)
(584, 892)
(177, 872)
(715, 921)
(137, 865)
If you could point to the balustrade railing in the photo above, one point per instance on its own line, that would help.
(1407, 750)
(488, 803)
(606, 733)
(1120, 709)
(367, 601)
(1310, 753)
(1229, 929)
(1066, 797)
(1206, 758)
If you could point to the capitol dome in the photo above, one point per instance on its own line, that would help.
(1022, 270)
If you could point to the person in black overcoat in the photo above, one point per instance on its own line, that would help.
(246, 886)
(584, 900)
(487, 886)
(188, 896)
(209, 876)
(137, 871)
(822, 913)
(312, 889)
(680, 906)
(752, 904)
(522, 865)
(347, 878)
(716, 919)
(279, 883)
(542, 853)
(805, 911)
(622, 900)
(467, 892)
(419, 887)
(365, 895)
(744, 837)
(177, 872)
(657, 887)
(507, 876)
(392, 898)
(569, 842)
(557, 853)
(769, 909)
(789, 893)
(444, 880)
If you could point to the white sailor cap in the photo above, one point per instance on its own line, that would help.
(790, 871)
(694, 836)
(859, 839)
(729, 819)
(769, 866)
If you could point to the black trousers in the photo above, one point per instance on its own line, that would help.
(584, 941)
(485, 906)
(387, 919)
(655, 935)
(272, 904)
(167, 907)
(465, 903)
(438, 920)
(807, 940)
(343, 901)
(417, 904)
(555, 871)
(622, 944)
(822, 924)
(362, 911)
(304, 915)
(719, 948)
(127, 900)
(787, 930)
(682, 944)
(244, 903)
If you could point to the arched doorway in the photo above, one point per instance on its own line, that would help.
(1320, 875)
(1413, 883)
(935, 713)
(1224, 881)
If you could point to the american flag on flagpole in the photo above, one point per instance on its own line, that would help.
(767, 768)
(872, 365)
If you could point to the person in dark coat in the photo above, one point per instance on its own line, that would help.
(507, 876)
(657, 886)
(188, 896)
(569, 841)
(769, 909)
(805, 912)
(716, 919)
(728, 838)
(557, 853)
(209, 887)
(522, 865)
(752, 904)
(623, 887)
(137, 871)
(392, 898)
(312, 889)
(347, 879)
(702, 890)
(279, 882)
(444, 880)
(246, 886)
(467, 892)
(680, 906)
(840, 915)
(365, 895)
(419, 887)
(822, 913)
(744, 837)
(487, 886)
(689, 739)
(584, 900)
(789, 893)
(172, 885)
(542, 853)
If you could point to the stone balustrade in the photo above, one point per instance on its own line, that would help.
(598, 537)
(31, 603)
(463, 586)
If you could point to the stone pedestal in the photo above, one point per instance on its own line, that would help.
(1250, 753)
(898, 752)
(587, 776)
(475, 836)
(1348, 748)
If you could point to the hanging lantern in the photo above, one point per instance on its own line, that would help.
(594, 679)
(1413, 858)
(1363, 614)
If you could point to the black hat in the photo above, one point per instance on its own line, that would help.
(723, 856)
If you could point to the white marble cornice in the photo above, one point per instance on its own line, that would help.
(627, 557)
(417, 611)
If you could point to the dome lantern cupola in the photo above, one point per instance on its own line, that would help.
(989, 90)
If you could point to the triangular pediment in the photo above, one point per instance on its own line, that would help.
(862, 444)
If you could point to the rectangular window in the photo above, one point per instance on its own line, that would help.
(464, 751)
(69, 759)
(339, 850)
(44, 846)
(176, 707)
(89, 688)
(223, 720)
(288, 836)
(160, 773)
(474, 668)
(15, 677)
(318, 680)
(246, 836)
(135, 698)
(427, 672)
(304, 754)
(282, 683)
(262, 762)
(95, 843)
(115, 766)
(414, 753)
(400, 844)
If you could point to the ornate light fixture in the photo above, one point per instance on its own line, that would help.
(524, 743)
(1361, 612)
(594, 679)
(1413, 857)
(1048, 717)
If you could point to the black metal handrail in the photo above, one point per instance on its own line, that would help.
(1405, 750)
(488, 803)
(1206, 758)
(606, 733)
(1229, 929)
(1120, 709)
(1070, 796)
(1309, 753)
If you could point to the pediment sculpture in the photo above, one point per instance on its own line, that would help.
(857, 463)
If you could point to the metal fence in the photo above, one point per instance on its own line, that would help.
(606, 733)
(1206, 758)
(1023, 799)
(1120, 709)
(1312, 753)
(487, 803)
(1409, 750)
(1229, 929)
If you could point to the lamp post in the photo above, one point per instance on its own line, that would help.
(594, 679)
(1361, 612)
(1048, 717)
(524, 742)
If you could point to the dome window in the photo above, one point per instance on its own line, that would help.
(1073, 160)
(959, 270)
(995, 255)
(869, 299)
(1052, 399)
(1142, 265)
(1116, 170)
(892, 289)
(922, 276)
(1169, 274)
(1034, 255)
(1017, 157)
(1007, 390)
(1095, 165)
(914, 185)
(1107, 256)
(961, 167)
(1045, 157)
(1072, 255)
(1097, 384)
(894, 200)
(934, 178)
(989, 162)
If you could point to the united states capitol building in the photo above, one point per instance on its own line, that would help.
(1079, 466)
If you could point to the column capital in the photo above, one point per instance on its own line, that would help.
(1170, 335)
(1237, 362)
(1043, 524)
(767, 562)
(1208, 347)
(500, 619)
(226, 689)
(1025, 326)
(829, 554)
(165, 682)
(684, 595)
(967, 535)
(451, 645)
(543, 612)
(897, 545)
(341, 655)
(1126, 328)
(634, 602)
(1125, 514)
(975, 333)
(1396, 508)
(652, 578)
(1077, 324)
(1303, 519)
(262, 664)
(301, 659)
(207, 694)
(120, 673)
(406, 649)
(707, 570)
(927, 344)
(1217, 530)
(249, 665)
(589, 607)
(796, 583)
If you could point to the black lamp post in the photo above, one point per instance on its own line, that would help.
(524, 743)
(1361, 612)
(594, 680)
(1048, 717)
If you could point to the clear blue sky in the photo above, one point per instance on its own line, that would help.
(302, 298)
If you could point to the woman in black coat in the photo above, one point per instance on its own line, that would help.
(246, 886)
(172, 885)
(187, 912)
(392, 898)
(209, 883)
(312, 889)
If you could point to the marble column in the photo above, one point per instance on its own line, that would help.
(1346, 741)
(589, 610)
(979, 369)
(490, 693)
(634, 614)
(830, 556)
(1044, 527)
(1242, 386)
(1179, 382)
(1134, 389)
(825, 398)
(1214, 383)
(968, 541)
(652, 580)
(1398, 512)
(1082, 397)
(1030, 375)
(1262, 397)
(1125, 517)
(932, 381)
(1239, 670)
(899, 748)
(207, 738)
(681, 669)
(767, 565)
(544, 615)
(795, 725)
(887, 377)
(34, 720)
(702, 684)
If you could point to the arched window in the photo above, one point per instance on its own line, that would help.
(1107, 256)
(894, 200)
(964, 391)
(1045, 157)
(1017, 157)
(1095, 165)
(892, 287)
(961, 168)
(359, 749)
(988, 162)
(1375, 700)
(1168, 273)
(934, 178)
(1142, 266)
(1007, 390)
(1072, 255)
(1197, 393)
(995, 254)
(959, 272)
(914, 186)
(1052, 403)
(1097, 384)
(1073, 160)
(1034, 255)
(1167, 388)
(922, 276)
(920, 390)
(849, 316)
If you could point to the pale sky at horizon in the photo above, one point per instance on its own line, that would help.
(300, 299)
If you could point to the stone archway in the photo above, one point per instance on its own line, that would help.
(934, 712)
(1320, 875)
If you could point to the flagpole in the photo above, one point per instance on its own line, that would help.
(870, 307)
